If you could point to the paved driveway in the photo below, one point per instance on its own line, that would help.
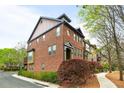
(7, 81)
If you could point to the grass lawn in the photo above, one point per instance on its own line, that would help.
(114, 77)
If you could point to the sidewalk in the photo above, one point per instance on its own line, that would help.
(105, 82)
(45, 84)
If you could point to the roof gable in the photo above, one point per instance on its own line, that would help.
(42, 26)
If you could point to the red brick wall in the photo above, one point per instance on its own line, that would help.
(70, 38)
(41, 55)
(51, 62)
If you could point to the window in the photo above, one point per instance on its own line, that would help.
(42, 66)
(58, 31)
(76, 52)
(68, 32)
(79, 39)
(44, 37)
(52, 49)
(82, 43)
(37, 40)
(74, 37)
(87, 47)
(30, 57)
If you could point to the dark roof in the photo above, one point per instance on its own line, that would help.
(78, 31)
(65, 17)
(49, 18)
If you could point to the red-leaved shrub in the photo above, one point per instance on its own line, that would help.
(95, 66)
(74, 72)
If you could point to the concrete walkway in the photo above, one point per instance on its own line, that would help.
(105, 82)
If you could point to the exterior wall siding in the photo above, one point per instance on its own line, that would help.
(75, 44)
(51, 62)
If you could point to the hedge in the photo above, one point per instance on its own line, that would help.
(43, 76)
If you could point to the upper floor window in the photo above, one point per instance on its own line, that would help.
(87, 47)
(37, 40)
(74, 37)
(29, 44)
(77, 38)
(52, 49)
(58, 31)
(80, 39)
(44, 37)
(68, 32)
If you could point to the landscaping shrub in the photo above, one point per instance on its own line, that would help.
(49, 77)
(43, 76)
(73, 73)
(95, 67)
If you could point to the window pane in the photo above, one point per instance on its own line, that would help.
(43, 37)
(74, 36)
(42, 66)
(49, 50)
(37, 40)
(30, 57)
(68, 32)
(54, 47)
(58, 31)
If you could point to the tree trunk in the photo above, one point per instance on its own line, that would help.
(117, 48)
(118, 56)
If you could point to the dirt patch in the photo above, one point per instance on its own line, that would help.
(114, 77)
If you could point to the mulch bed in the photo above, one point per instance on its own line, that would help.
(114, 77)
(91, 83)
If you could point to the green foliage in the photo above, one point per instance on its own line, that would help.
(11, 56)
(91, 16)
(105, 67)
(43, 76)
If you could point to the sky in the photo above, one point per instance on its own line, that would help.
(18, 22)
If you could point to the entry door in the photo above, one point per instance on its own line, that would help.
(68, 53)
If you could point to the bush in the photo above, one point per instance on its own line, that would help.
(49, 77)
(44, 76)
(73, 73)
(95, 67)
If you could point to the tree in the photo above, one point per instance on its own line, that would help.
(13, 56)
(22, 53)
(106, 21)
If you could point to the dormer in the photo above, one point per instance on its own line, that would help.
(64, 17)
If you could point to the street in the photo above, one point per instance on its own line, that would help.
(7, 81)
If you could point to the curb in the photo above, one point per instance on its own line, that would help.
(45, 84)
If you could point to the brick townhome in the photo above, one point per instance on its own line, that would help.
(53, 41)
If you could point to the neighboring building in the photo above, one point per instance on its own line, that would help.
(53, 41)
(90, 52)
